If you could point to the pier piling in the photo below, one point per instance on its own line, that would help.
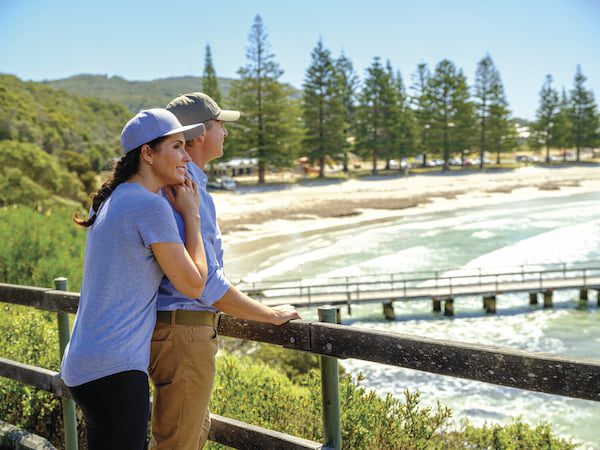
(548, 298)
(533, 298)
(489, 304)
(437, 304)
(449, 306)
(388, 311)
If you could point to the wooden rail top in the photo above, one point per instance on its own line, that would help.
(578, 378)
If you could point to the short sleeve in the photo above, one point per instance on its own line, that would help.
(156, 223)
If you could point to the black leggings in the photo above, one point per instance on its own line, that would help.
(116, 410)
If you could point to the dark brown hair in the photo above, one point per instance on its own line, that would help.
(125, 168)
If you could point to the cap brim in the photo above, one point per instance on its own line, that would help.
(189, 131)
(228, 116)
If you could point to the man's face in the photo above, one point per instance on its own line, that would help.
(214, 138)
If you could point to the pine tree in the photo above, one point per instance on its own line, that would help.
(546, 115)
(492, 110)
(563, 126)
(324, 112)
(405, 137)
(452, 116)
(210, 84)
(375, 113)
(422, 107)
(348, 85)
(495, 131)
(268, 127)
(583, 112)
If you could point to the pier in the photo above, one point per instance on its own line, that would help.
(443, 288)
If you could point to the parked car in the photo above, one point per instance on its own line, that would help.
(224, 183)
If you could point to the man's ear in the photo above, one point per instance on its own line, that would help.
(146, 154)
(193, 143)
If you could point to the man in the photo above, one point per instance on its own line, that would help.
(184, 343)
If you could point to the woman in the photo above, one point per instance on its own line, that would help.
(132, 241)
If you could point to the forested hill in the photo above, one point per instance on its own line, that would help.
(52, 143)
(135, 95)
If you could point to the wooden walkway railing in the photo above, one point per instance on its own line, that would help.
(559, 375)
(418, 286)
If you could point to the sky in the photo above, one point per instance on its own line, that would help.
(148, 39)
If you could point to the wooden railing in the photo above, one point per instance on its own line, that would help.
(559, 375)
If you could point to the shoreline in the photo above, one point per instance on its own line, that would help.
(252, 216)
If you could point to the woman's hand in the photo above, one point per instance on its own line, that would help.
(184, 197)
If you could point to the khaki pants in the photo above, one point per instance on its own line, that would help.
(182, 368)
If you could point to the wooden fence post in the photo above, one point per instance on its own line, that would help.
(330, 390)
(68, 405)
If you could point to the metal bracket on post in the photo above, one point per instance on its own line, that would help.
(330, 389)
(68, 405)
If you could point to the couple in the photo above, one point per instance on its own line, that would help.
(154, 284)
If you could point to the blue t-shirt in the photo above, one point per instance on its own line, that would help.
(117, 307)
(217, 283)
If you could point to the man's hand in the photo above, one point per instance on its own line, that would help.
(283, 314)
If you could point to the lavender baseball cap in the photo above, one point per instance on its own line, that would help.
(153, 123)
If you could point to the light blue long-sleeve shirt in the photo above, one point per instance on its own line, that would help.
(217, 284)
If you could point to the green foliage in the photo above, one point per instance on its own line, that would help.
(36, 247)
(269, 127)
(422, 105)
(56, 121)
(377, 113)
(496, 132)
(210, 84)
(348, 81)
(29, 176)
(30, 337)
(583, 113)
(323, 105)
(546, 115)
(254, 391)
(515, 435)
(452, 113)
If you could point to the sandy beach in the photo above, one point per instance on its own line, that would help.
(261, 212)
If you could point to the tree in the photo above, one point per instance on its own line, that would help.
(405, 131)
(546, 116)
(422, 107)
(495, 131)
(377, 102)
(269, 126)
(492, 110)
(563, 126)
(583, 113)
(324, 112)
(348, 85)
(210, 83)
(452, 115)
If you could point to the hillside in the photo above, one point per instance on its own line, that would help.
(135, 95)
(52, 143)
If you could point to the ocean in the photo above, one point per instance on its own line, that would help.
(561, 229)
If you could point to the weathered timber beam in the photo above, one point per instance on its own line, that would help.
(236, 434)
(578, 378)
(44, 379)
(40, 298)
(295, 334)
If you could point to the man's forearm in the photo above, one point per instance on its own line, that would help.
(235, 303)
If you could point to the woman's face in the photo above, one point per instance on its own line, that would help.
(170, 159)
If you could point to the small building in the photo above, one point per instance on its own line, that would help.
(234, 167)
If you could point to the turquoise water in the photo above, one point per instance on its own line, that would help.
(560, 229)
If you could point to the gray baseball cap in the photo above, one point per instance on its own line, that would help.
(153, 123)
(198, 107)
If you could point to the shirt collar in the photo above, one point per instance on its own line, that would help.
(197, 173)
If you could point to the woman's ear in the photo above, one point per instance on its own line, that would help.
(147, 154)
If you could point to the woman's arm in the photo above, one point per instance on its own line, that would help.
(185, 267)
